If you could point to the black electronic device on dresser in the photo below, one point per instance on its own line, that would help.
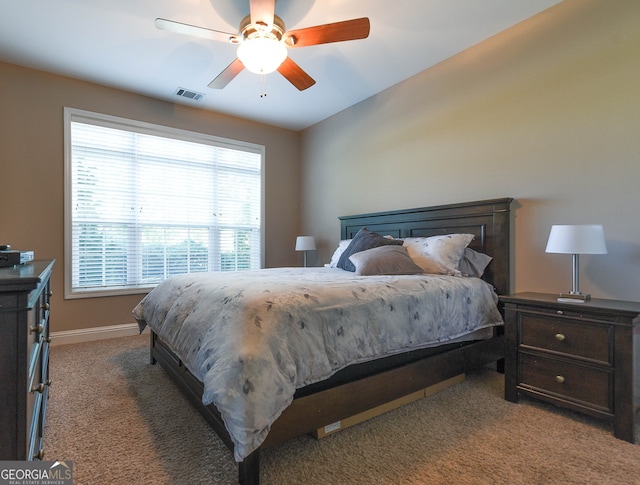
(581, 356)
(24, 358)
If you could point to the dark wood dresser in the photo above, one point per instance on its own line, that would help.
(581, 356)
(24, 358)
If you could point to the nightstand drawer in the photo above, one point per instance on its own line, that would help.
(576, 339)
(584, 385)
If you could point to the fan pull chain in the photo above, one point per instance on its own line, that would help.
(263, 86)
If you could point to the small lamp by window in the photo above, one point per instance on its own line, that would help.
(305, 243)
(576, 240)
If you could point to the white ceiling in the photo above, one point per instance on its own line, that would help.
(115, 43)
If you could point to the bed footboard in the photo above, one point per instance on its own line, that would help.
(313, 411)
(249, 468)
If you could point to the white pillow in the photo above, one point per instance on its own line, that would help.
(438, 254)
(342, 245)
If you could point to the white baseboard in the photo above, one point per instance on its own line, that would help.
(96, 333)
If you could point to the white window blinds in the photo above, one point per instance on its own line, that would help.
(146, 202)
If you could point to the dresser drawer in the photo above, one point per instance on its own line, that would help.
(585, 385)
(589, 341)
(37, 395)
(37, 323)
(33, 433)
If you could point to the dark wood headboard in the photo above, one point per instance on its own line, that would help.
(487, 220)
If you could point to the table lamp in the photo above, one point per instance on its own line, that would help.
(305, 243)
(576, 240)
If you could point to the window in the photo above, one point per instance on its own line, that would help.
(145, 202)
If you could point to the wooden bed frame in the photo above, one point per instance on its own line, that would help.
(489, 221)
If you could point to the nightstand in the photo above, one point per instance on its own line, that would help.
(581, 356)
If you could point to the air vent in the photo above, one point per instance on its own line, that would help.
(186, 93)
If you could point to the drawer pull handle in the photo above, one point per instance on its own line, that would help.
(37, 329)
(560, 337)
(560, 312)
(40, 387)
(560, 379)
(46, 306)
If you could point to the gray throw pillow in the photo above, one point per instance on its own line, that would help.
(363, 240)
(384, 260)
(474, 263)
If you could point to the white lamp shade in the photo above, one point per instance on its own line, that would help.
(576, 239)
(262, 55)
(305, 243)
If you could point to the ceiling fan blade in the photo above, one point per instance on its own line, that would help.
(225, 77)
(187, 29)
(324, 34)
(262, 11)
(295, 74)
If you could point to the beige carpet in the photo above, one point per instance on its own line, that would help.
(122, 421)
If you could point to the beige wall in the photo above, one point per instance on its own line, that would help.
(547, 112)
(31, 172)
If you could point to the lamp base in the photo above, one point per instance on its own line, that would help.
(574, 297)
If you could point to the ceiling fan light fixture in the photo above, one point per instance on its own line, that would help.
(262, 55)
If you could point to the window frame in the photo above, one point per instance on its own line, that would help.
(109, 121)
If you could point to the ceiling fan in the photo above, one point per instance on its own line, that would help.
(263, 41)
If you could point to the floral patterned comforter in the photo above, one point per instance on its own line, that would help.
(253, 337)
